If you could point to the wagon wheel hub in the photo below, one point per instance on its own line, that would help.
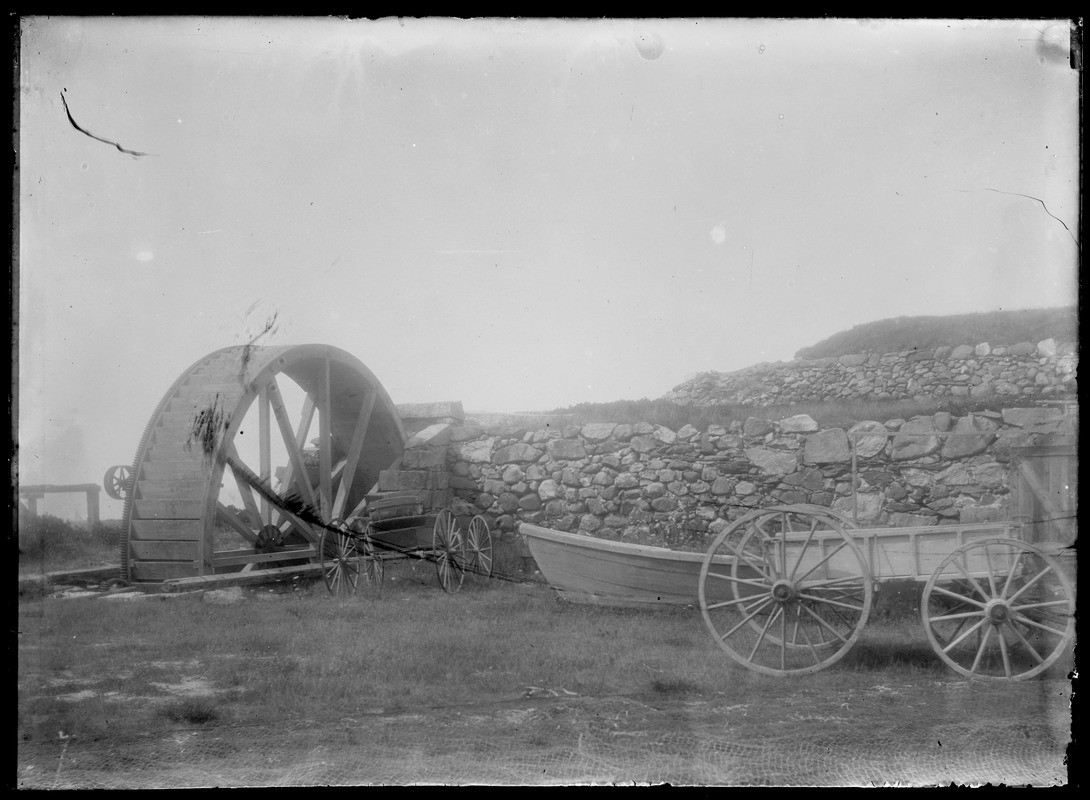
(783, 592)
(997, 612)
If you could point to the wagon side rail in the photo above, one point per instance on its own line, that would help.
(896, 554)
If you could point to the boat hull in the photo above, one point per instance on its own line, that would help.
(592, 571)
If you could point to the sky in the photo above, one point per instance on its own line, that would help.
(520, 215)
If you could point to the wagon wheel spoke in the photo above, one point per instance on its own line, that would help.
(791, 603)
(999, 608)
(373, 568)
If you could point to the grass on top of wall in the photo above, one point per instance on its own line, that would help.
(840, 414)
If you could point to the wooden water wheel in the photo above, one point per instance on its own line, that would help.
(246, 413)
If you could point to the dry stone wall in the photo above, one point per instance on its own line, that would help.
(650, 484)
(1043, 370)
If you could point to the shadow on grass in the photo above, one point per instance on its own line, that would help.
(194, 711)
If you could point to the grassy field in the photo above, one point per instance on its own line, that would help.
(300, 652)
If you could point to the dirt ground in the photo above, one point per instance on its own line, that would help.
(925, 732)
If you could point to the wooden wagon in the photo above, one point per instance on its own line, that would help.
(395, 527)
(802, 579)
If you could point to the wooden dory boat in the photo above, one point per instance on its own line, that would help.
(592, 571)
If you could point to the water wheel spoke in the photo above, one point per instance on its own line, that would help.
(225, 514)
(293, 448)
(355, 449)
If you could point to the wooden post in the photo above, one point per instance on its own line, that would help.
(92, 506)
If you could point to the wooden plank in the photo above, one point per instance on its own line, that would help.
(159, 529)
(164, 550)
(236, 557)
(76, 487)
(155, 571)
(168, 509)
(191, 489)
(192, 468)
(182, 583)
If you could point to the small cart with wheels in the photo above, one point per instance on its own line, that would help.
(801, 583)
(395, 527)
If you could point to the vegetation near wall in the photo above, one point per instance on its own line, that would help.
(903, 334)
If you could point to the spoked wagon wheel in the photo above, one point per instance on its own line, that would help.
(341, 563)
(448, 549)
(225, 456)
(785, 590)
(116, 481)
(999, 608)
(373, 569)
(478, 547)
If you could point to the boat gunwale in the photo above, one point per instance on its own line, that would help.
(620, 548)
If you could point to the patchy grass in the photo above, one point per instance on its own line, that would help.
(94, 667)
(901, 334)
(48, 544)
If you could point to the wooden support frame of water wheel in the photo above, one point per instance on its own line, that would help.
(229, 419)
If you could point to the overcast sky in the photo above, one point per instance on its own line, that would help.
(520, 215)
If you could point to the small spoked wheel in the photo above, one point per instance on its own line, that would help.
(478, 547)
(449, 551)
(785, 590)
(340, 562)
(373, 569)
(999, 608)
(116, 482)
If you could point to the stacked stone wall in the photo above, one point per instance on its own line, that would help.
(1044, 370)
(650, 484)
